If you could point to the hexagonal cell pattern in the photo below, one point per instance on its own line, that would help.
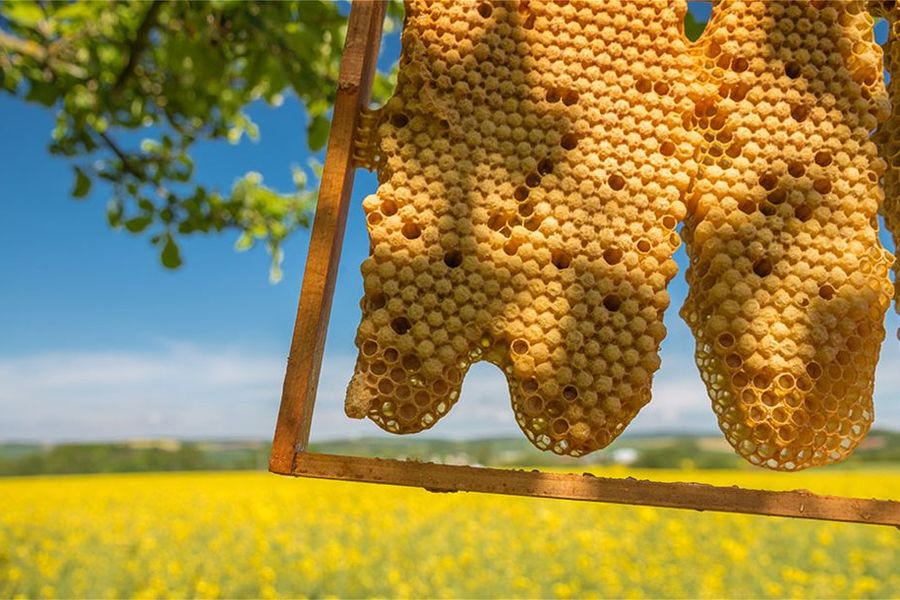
(788, 282)
(534, 164)
(532, 167)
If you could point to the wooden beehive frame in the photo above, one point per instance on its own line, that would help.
(289, 449)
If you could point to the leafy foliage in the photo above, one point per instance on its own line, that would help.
(178, 73)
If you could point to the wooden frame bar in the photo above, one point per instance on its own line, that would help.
(289, 454)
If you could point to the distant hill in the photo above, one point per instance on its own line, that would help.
(643, 451)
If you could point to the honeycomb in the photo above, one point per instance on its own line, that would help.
(788, 282)
(887, 137)
(532, 167)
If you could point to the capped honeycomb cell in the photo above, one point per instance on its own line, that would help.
(788, 282)
(532, 165)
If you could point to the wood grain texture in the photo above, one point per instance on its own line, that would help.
(308, 342)
(451, 478)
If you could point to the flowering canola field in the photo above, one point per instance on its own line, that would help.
(257, 535)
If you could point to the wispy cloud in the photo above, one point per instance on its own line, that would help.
(186, 390)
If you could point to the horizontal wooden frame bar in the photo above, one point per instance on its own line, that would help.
(586, 487)
(289, 455)
(570, 486)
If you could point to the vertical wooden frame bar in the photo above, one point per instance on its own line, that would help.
(289, 455)
(308, 343)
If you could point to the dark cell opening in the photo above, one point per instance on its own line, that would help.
(612, 302)
(453, 259)
(400, 325)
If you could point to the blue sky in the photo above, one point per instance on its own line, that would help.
(98, 341)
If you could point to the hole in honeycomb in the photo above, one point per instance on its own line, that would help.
(768, 181)
(803, 212)
(570, 97)
(530, 385)
(768, 209)
(377, 301)
(740, 64)
(378, 368)
(792, 70)
(612, 303)
(511, 247)
(402, 392)
(545, 167)
(777, 197)
(528, 23)
(399, 120)
(391, 355)
(734, 361)
(400, 325)
(763, 267)
(823, 186)
(661, 88)
(823, 158)
(826, 292)
(796, 169)
(669, 222)
(534, 404)
(411, 363)
(760, 381)
(411, 231)
(800, 112)
(569, 141)
(525, 209)
(397, 375)
(570, 392)
(643, 246)
(643, 85)
(616, 181)
(497, 221)
(560, 259)
(373, 218)
(552, 95)
(370, 347)
(519, 346)
(485, 9)
(554, 408)
(521, 193)
(386, 386)
(408, 412)
(453, 259)
(785, 381)
(560, 426)
(814, 370)
(667, 148)
(612, 256)
(726, 340)
(388, 207)
(747, 207)
(532, 180)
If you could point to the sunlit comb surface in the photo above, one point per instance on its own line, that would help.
(534, 163)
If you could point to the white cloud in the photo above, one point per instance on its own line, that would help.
(185, 390)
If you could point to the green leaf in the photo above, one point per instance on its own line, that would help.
(170, 255)
(82, 184)
(26, 14)
(317, 133)
(138, 224)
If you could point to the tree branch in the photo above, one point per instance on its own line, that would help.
(126, 164)
(139, 44)
(41, 54)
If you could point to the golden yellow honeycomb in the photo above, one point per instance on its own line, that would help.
(888, 135)
(788, 282)
(532, 166)
(534, 163)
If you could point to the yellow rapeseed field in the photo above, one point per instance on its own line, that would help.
(258, 535)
